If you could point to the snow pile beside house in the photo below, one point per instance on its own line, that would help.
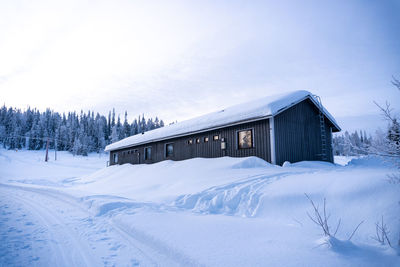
(167, 180)
(271, 198)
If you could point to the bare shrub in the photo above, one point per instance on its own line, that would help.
(321, 218)
(382, 233)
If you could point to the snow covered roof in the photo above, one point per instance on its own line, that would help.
(257, 109)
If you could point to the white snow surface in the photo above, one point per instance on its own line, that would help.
(197, 212)
(257, 109)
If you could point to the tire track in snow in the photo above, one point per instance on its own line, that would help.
(78, 253)
(152, 252)
(236, 198)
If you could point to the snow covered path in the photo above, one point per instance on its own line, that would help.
(61, 232)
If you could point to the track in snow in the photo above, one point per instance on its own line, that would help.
(51, 228)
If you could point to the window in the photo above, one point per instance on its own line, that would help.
(190, 141)
(147, 153)
(245, 139)
(197, 140)
(169, 150)
(216, 137)
(115, 158)
(205, 139)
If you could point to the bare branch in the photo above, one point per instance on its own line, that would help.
(386, 112)
(318, 219)
(337, 227)
(322, 220)
(312, 219)
(396, 82)
(382, 233)
(355, 230)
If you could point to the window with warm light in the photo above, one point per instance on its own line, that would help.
(245, 139)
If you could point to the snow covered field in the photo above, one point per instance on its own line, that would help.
(199, 212)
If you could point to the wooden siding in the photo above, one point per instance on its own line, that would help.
(298, 134)
(210, 149)
(297, 138)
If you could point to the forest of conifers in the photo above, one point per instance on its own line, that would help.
(79, 133)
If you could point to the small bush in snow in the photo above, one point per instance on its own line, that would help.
(382, 233)
(321, 219)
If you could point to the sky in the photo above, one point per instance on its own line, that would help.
(181, 59)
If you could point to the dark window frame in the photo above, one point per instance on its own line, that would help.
(252, 138)
(145, 154)
(166, 151)
(190, 141)
(216, 137)
(115, 157)
(198, 140)
(205, 139)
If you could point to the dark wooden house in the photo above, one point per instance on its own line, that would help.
(291, 127)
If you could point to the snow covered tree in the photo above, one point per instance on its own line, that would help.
(126, 126)
(389, 142)
(78, 133)
(114, 134)
(134, 127)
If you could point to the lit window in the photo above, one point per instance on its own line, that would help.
(216, 137)
(190, 141)
(197, 140)
(115, 157)
(205, 139)
(245, 139)
(169, 150)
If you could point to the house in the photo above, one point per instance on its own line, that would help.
(288, 127)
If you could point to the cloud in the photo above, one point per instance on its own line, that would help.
(180, 59)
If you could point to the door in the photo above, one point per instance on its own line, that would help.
(136, 157)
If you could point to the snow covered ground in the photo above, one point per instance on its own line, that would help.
(199, 212)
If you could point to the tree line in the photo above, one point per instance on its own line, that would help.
(351, 144)
(358, 143)
(79, 133)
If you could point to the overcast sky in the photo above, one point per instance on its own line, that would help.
(181, 59)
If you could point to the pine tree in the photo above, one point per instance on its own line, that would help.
(126, 127)
(78, 133)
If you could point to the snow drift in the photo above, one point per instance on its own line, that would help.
(213, 212)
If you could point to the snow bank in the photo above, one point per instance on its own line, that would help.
(371, 162)
(343, 160)
(252, 162)
(167, 180)
(309, 164)
(179, 209)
